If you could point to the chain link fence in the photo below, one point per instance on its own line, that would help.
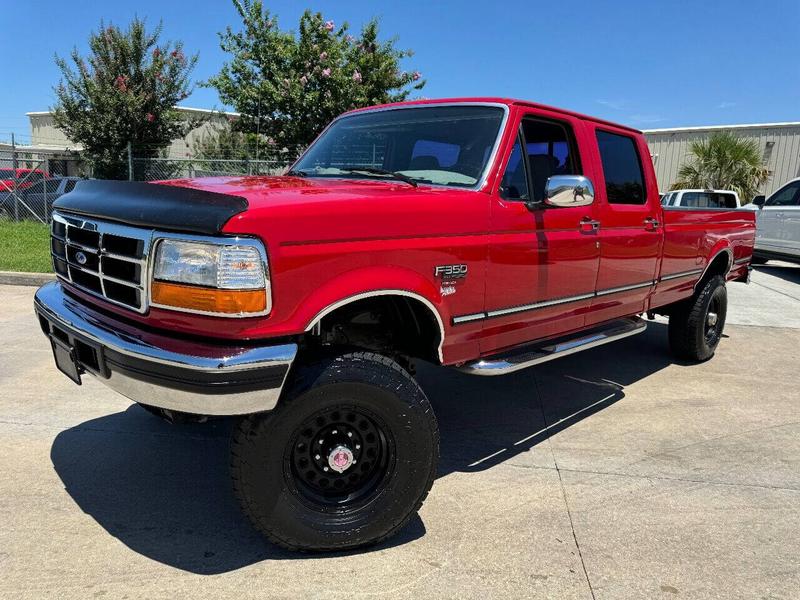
(31, 181)
(153, 169)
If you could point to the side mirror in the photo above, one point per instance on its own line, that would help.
(568, 190)
(759, 201)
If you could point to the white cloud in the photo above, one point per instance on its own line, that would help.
(615, 104)
(645, 119)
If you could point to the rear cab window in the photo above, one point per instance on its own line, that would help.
(622, 168)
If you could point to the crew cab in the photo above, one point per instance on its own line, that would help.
(483, 234)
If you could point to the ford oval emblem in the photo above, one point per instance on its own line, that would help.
(81, 258)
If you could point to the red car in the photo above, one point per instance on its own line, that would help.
(483, 234)
(24, 178)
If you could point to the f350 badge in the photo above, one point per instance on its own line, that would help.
(449, 272)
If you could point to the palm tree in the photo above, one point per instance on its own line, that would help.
(724, 162)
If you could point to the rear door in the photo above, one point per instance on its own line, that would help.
(778, 223)
(631, 231)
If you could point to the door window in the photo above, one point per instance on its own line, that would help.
(515, 180)
(787, 196)
(622, 168)
(549, 150)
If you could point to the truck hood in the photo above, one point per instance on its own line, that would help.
(301, 210)
(284, 209)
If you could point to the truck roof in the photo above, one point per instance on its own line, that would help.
(494, 100)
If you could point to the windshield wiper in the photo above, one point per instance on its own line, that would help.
(374, 171)
(296, 173)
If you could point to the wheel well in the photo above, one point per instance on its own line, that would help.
(720, 265)
(390, 325)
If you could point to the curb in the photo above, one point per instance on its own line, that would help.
(14, 278)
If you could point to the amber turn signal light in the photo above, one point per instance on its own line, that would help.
(210, 300)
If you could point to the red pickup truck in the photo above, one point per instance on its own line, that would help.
(483, 234)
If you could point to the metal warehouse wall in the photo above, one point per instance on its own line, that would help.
(45, 133)
(779, 143)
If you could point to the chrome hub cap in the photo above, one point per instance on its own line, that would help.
(340, 459)
(711, 320)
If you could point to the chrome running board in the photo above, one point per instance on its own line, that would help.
(528, 356)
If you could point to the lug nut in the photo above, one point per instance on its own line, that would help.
(325, 469)
(317, 457)
(358, 446)
(349, 434)
(334, 432)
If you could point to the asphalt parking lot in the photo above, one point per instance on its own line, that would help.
(615, 473)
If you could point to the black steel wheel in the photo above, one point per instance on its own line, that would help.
(345, 460)
(338, 458)
(695, 327)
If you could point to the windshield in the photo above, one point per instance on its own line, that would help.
(444, 145)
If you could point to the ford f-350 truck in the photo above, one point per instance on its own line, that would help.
(483, 234)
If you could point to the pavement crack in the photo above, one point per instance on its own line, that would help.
(772, 289)
(563, 490)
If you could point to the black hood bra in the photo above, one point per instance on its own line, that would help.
(156, 206)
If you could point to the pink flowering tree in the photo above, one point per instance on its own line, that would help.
(288, 85)
(123, 91)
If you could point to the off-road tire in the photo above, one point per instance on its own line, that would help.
(270, 487)
(690, 336)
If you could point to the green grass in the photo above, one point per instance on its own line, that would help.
(24, 246)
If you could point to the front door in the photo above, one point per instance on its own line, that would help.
(542, 259)
(631, 233)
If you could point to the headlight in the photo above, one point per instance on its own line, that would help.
(217, 278)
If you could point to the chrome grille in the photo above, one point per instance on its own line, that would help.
(101, 258)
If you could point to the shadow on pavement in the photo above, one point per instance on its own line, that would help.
(785, 272)
(164, 491)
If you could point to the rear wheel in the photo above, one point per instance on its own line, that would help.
(345, 460)
(695, 327)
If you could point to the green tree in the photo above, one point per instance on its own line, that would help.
(290, 85)
(224, 142)
(124, 91)
(724, 162)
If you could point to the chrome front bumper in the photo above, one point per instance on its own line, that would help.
(172, 373)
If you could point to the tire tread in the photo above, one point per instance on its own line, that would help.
(306, 377)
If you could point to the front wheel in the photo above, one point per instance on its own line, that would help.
(695, 328)
(345, 460)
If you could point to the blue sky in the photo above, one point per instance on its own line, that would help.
(647, 64)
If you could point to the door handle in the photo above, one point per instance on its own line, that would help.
(651, 224)
(587, 224)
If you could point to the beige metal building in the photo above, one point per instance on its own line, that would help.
(779, 142)
(44, 133)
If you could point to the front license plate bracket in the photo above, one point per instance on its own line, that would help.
(66, 359)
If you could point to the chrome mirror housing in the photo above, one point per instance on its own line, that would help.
(568, 190)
